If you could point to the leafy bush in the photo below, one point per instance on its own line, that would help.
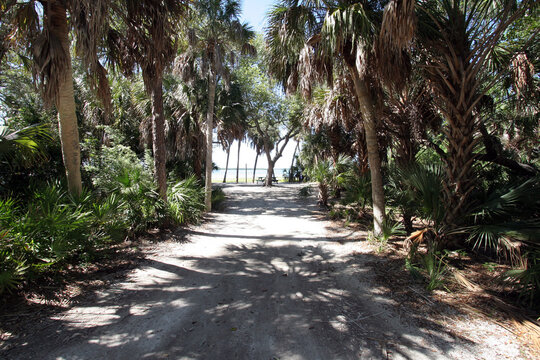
(432, 268)
(107, 164)
(418, 190)
(24, 147)
(435, 268)
(357, 188)
(186, 201)
(218, 197)
(143, 208)
(322, 172)
(55, 227)
(527, 279)
(305, 191)
(507, 217)
(117, 170)
(389, 228)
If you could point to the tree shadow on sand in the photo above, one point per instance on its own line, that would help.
(254, 302)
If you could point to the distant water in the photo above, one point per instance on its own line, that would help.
(217, 175)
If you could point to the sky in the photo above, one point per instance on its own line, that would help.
(253, 12)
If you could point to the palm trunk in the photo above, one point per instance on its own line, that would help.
(291, 178)
(363, 163)
(368, 113)
(209, 132)
(255, 167)
(198, 151)
(65, 103)
(227, 163)
(323, 194)
(158, 137)
(405, 158)
(460, 160)
(238, 160)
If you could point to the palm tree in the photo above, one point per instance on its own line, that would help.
(256, 142)
(145, 37)
(311, 40)
(193, 100)
(459, 40)
(183, 136)
(215, 34)
(41, 29)
(231, 116)
(322, 173)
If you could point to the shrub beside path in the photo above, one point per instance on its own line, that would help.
(264, 279)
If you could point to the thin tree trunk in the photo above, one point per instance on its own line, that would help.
(65, 103)
(405, 158)
(291, 178)
(158, 137)
(368, 114)
(363, 163)
(227, 163)
(238, 160)
(209, 131)
(198, 155)
(255, 167)
(270, 169)
(269, 173)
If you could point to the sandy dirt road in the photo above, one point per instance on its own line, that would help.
(264, 279)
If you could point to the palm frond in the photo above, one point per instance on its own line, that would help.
(22, 148)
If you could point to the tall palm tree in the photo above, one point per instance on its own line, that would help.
(231, 116)
(183, 136)
(459, 40)
(311, 40)
(255, 142)
(41, 29)
(215, 35)
(145, 37)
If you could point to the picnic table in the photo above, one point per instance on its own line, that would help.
(262, 179)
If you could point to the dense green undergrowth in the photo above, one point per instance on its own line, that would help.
(501, 221)
(48, 228)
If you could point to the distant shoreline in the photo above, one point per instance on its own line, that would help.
(217, 175)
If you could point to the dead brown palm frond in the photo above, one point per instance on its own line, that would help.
(398, 24)
(292, 81)
(90, 19)
(407, 117)
(37, 34)
(313, 116)
(50, 58)
(524, 325)
(248, 49)
(416, 237)
(184, 67)
(362, 59)
(145, 131)
(462, 280)
(523, 75)
(427, 236)
(342, 103)
(396, 33)
(305, 67)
